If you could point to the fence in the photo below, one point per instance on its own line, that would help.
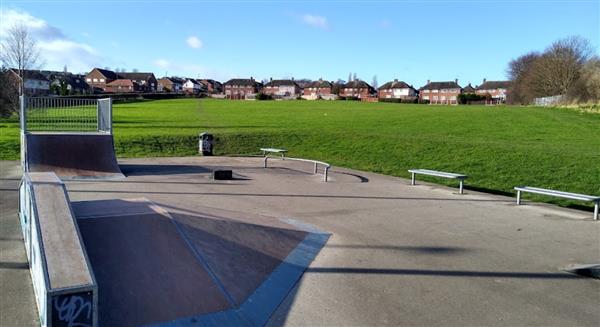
(550, 101)
(48, 114)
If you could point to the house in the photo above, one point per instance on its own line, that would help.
(193, 86)
(98, 78)
(357, 89)
(497, 90)
(146, 81)
(170, 84)
(212, 86)
(122, 86)
(36, 84)
(468, 89)
(318, 89)
(282, 88)
(440, 92)
(396, 90)
(241, 88)
(69, 84)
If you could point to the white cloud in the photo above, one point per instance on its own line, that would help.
(315, 21)
(194, 42)
(56, 49)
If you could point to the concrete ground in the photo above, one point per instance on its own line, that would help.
(399, 254)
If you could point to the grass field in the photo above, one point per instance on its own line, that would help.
(498, 147)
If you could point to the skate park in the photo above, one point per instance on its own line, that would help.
(165, 243)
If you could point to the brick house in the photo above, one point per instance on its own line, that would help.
(440, 92)
(468, 89)
(358, 89)
(146, 81)
(169, 84)
(241, 88)
(212, 86)
(318, 88)
(396, 90)
(123, 86)
(73, 84)
(35, 84)
(282, 88)
(98, 78)
(497, 90)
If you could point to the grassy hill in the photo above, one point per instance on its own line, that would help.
(498, 147)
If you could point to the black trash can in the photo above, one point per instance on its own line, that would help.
(205, 146)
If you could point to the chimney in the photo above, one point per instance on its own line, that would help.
(484, 80)
(271, 79)
(428, 81)
(252, 78)
(456, 80)
(395, 80)
(292, 79)
(320, 79)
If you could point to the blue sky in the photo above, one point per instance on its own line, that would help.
(410, 40)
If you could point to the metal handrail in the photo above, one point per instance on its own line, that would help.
(316, 162)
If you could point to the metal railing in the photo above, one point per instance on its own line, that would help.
(316, 163)
(57, 114)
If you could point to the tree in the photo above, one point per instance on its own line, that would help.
(20, 51)
(9, 94)
(520, 72)
(587, 87)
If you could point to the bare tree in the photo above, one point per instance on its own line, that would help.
(559, 67)
(587, 87)
(520, 72)
(20, 51)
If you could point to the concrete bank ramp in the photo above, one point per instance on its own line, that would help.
(159, 265)
(72, 155)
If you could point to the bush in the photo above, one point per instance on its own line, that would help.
(391, 100)
(466, 98)
(262, 96)
(348, 98)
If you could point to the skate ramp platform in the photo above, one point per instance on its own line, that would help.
(160, 265)
(71, 155)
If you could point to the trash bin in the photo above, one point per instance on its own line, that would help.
(205, 147)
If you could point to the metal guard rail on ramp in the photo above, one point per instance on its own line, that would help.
(65, 288)
(325, 165)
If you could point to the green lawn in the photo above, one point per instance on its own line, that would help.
(498, 147)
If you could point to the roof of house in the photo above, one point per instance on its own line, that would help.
(441, 85)
(320, 83)
(212, 81)
(75, 81)
(282, 82)
(121, 82)
(109, 74)
(193, 80)
(31, 74)
(358, 84)
(242, 82)
(468, 89)
(136, 76)
(492, 85)
(395, 84)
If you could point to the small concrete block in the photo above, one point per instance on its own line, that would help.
(222, 175)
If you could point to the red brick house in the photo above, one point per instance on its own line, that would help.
(241, 88)
(318, 88)
(497, 90)
(122, 86)
(169, 84)
(358, 89)
(396, 90)
(98, 78)
(440, 92)
(280, 88)
(212, 86)
(146, 81)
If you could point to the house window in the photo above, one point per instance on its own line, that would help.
(102, 80)
(426, 97)
(95, 80)
(434, 91)
(88, 79)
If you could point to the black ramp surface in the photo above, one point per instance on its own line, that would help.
(72, 155)
(146, 273)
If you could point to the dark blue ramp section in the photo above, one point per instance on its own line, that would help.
(72, 155)
(178, 268)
